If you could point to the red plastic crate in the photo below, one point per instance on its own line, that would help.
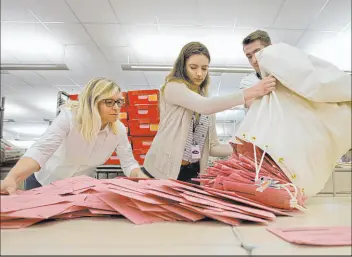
(142, 142)
(73, 97)
(142, 97)
(123, 115)
(113, 160)
(139, 155)
(145, 127)
(136, 112)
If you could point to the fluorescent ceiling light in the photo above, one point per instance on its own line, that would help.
(33, 66)
(29, 42)
(153, 67)
(212, 69)
(9, 120)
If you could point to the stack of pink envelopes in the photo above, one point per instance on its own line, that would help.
(139, 200)
(238, 175)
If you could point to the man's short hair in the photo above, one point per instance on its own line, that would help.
(257, 35)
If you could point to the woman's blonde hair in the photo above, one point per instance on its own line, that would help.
(86, 109)
(179, 70)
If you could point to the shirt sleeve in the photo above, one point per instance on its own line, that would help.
(180, 94)
(50, 141)
(124, 151)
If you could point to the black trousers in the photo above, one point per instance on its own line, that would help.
(187, 172)
(31, 182)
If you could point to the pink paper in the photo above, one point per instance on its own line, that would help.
(144, 198)
(147, 207)
(236, 207)
(322, 236)
(183, 212)
(227, 220)
(134, 215)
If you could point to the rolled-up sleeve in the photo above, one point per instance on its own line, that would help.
(50, 141)
(124, 152)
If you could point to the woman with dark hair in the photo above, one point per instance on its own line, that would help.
(187, 132)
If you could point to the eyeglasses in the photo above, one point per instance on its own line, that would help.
(111, 102)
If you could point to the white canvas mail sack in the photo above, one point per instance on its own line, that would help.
(305, 125)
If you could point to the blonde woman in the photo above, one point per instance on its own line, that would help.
(187, 133)
(83, 136)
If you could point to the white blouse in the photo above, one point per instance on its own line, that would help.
(62, 152)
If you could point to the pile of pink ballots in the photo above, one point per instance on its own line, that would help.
(231, 192)
(262, 181)
(140, 201)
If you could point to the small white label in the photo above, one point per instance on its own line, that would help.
(195, 152)
(142, 111)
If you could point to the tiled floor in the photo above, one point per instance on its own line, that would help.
(119, 236)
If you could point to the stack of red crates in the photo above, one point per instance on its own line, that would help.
(143, 120)
(140, 115)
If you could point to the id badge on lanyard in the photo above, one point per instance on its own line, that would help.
(195, 150)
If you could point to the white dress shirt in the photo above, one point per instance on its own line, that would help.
(249, 80)
(62, 152)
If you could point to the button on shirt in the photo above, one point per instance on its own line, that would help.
(62, 152)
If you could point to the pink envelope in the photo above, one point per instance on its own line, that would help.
(147, 207)
(227, 220)
(235, 197)
(92, 201)
(137, 196)
(321, 236)
(163, 216)
(18, 202)
(103, 212)
(41, 212)
(236, 215)
(134, 215)
(165, 189)
(183, 212)
(236, 207)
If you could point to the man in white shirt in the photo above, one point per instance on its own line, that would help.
(252, 44)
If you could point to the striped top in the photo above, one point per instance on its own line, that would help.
(200, 134)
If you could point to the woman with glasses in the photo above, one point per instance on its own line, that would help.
(82, 137)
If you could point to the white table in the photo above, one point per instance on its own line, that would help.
(119, 236)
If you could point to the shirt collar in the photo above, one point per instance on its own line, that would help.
(106, 129)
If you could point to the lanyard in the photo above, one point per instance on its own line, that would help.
(195, 125)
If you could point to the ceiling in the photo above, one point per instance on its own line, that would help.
(94, 37)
